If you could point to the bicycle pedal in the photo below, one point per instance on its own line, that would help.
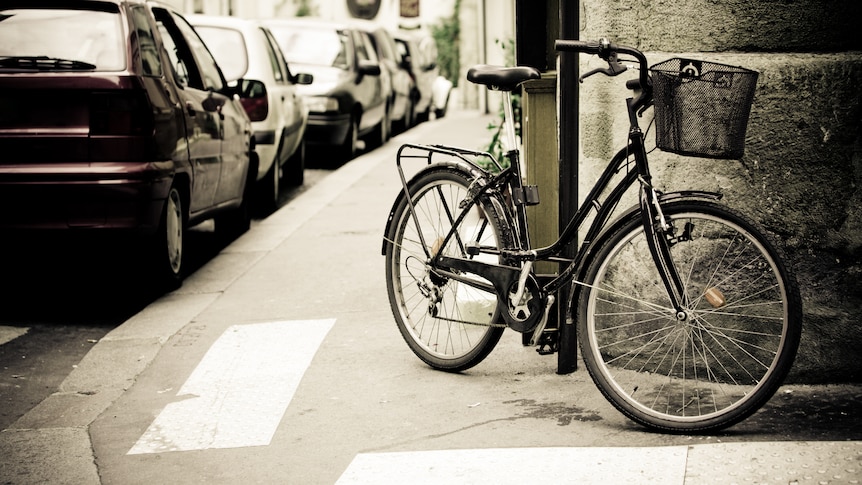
(548, 343)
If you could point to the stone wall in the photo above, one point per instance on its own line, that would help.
(801, 174)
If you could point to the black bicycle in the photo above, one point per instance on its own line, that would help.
(688, 316)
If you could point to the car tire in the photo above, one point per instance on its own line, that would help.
(409, 114)
(441, 112)
(347, 149)
(380, 135)
(165, 248)
(294, 169)
(234, 222)
(268, 189)
(424, 116)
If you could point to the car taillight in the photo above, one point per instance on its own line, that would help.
(256, 108)
(120, 113)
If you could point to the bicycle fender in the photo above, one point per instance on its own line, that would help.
(465, 169)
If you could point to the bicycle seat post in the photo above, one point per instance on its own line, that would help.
(509, 122)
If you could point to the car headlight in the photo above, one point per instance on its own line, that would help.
(321, 104)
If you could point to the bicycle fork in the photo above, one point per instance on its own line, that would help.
(658, 230)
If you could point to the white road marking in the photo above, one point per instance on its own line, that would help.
(517, 466)
(239, 391)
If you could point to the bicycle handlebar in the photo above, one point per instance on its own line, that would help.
(608, 51)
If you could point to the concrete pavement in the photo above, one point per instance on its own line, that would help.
(360, 408)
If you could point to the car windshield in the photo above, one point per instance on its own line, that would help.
(61, 39)
(321, 47)
(228, 48)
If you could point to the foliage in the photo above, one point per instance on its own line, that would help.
(304, 9)
(447, 36)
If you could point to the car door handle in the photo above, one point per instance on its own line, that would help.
(190, 109)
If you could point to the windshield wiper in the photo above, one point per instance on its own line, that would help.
(42, 63)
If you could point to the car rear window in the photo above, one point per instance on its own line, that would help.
(61, 38)
(228, 48)
(321, 47)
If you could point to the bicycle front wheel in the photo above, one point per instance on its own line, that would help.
(450, 325)
(719, 361)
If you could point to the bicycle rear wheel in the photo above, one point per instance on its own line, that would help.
(449, 324)
(726, 356)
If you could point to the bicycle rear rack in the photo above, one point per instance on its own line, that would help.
(482, 161)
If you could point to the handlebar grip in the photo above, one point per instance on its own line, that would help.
(587, 47)
(633, 84)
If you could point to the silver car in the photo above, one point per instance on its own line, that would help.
(246, 49)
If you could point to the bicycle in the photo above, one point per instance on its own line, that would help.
(688, 316)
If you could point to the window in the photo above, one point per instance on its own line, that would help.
(228, 47)
(181, 73)
(365, 48)
(80, 35)
(210, 73)
(279, 66)
(151, 63)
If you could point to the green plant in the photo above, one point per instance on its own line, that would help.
(447, 36)
(304, 9)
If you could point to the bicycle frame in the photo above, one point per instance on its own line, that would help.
(518, 267)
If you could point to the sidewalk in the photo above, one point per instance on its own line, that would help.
(54, 442)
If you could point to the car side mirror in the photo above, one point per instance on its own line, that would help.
(370, 68)
(302, 78)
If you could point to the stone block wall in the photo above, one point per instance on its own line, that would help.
(801, 174)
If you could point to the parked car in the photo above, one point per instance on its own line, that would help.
(441, 90)
(347, 99)
(418, 53)
(401, 111)
(246, 49)
(116, 119)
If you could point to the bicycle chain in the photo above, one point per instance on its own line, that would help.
(465, 322)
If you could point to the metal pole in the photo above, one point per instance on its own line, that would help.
(567, 356)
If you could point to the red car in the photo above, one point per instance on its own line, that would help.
(116, 119)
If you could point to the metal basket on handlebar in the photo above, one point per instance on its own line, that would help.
(702, 108)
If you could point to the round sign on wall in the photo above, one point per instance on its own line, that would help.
(363, 9)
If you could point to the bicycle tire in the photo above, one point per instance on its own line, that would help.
(449, 325)
(739, 337)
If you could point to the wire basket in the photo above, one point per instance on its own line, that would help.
(702, 108)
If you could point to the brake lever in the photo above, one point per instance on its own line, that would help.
(615, 68)
(643, 108)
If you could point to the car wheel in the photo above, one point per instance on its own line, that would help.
(294, 169)
(409, 114)
(441, 112)
(234, 222)
(268, 188)
(380, 135)
(347, 149)
(166, 247)
(424, 116)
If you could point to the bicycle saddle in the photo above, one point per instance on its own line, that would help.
(499, 78)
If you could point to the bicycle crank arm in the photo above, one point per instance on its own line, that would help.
(537, 333)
